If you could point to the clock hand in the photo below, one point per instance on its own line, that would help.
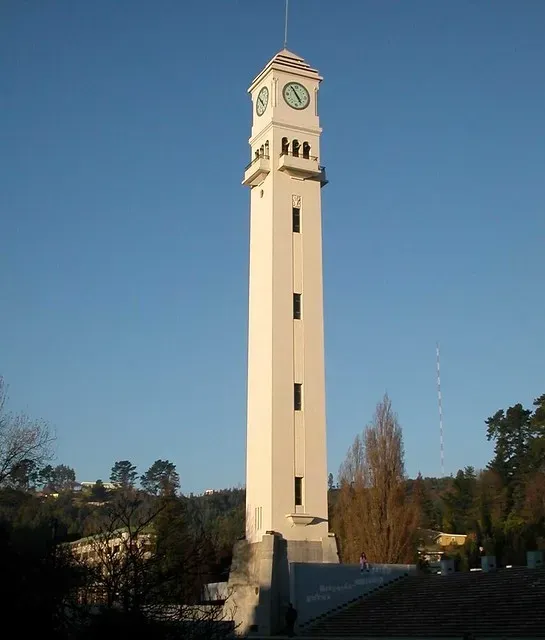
(296, 95)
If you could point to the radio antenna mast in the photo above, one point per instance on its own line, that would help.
(440, 403)
(286, 25)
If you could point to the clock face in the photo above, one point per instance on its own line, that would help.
(296, 95)
(261, 102)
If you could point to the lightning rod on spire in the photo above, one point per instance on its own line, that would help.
(286, 25)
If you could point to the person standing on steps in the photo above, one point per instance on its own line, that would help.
(291, 619)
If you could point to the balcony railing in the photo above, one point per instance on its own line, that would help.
(301, 165)
(295, 164)
(257, 170)
(256, 159)
(299, 154)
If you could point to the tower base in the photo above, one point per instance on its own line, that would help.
(260, 586)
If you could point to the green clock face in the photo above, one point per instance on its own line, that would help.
(261, 102)
(296, 95)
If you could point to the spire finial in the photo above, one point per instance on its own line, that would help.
(286, 25)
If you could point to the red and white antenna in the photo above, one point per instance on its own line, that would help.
(440, 402)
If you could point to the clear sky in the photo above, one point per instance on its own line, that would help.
(124, 226)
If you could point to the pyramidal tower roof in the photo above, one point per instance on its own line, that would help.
(291, 60)
(286, 60)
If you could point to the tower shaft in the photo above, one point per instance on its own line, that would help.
(286, 475)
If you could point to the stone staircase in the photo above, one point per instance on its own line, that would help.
(507, 603)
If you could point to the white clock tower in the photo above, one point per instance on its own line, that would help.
(286, 467)
(286, 475)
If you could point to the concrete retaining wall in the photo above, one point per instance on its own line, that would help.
(317, 589)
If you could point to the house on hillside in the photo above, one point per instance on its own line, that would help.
(110, 486)
(434, 544)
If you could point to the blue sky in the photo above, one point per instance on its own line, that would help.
(124, 227)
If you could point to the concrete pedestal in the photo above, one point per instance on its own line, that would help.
(534, 559)
(447, 566)
(259, 581)
(488, 563)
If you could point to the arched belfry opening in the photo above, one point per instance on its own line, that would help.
(306, 150)
(267, 149)
(295, 146)
(285, 146)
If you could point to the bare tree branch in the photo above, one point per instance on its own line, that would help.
(21, 439)
(145, 561)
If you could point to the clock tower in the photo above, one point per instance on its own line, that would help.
(286, 468)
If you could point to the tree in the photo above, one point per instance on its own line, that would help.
(538, 417)
(117, 552)
(42, 580)
(511, 432)
(56, 479)
(24, 475)
(330, 482)
(161, 478)
(535, 501)
(426, 510)
(124, 474)
(537, 442)
(22, 440)
(519, 451)
(182, 546)
(460, 503)
(513, 483)
(99, 493)
(147, 567)
(374, 512)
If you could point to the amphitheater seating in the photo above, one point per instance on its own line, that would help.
(507, 603)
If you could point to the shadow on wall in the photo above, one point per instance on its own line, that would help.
(268, 620)
(262, 583)
(259, 586)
